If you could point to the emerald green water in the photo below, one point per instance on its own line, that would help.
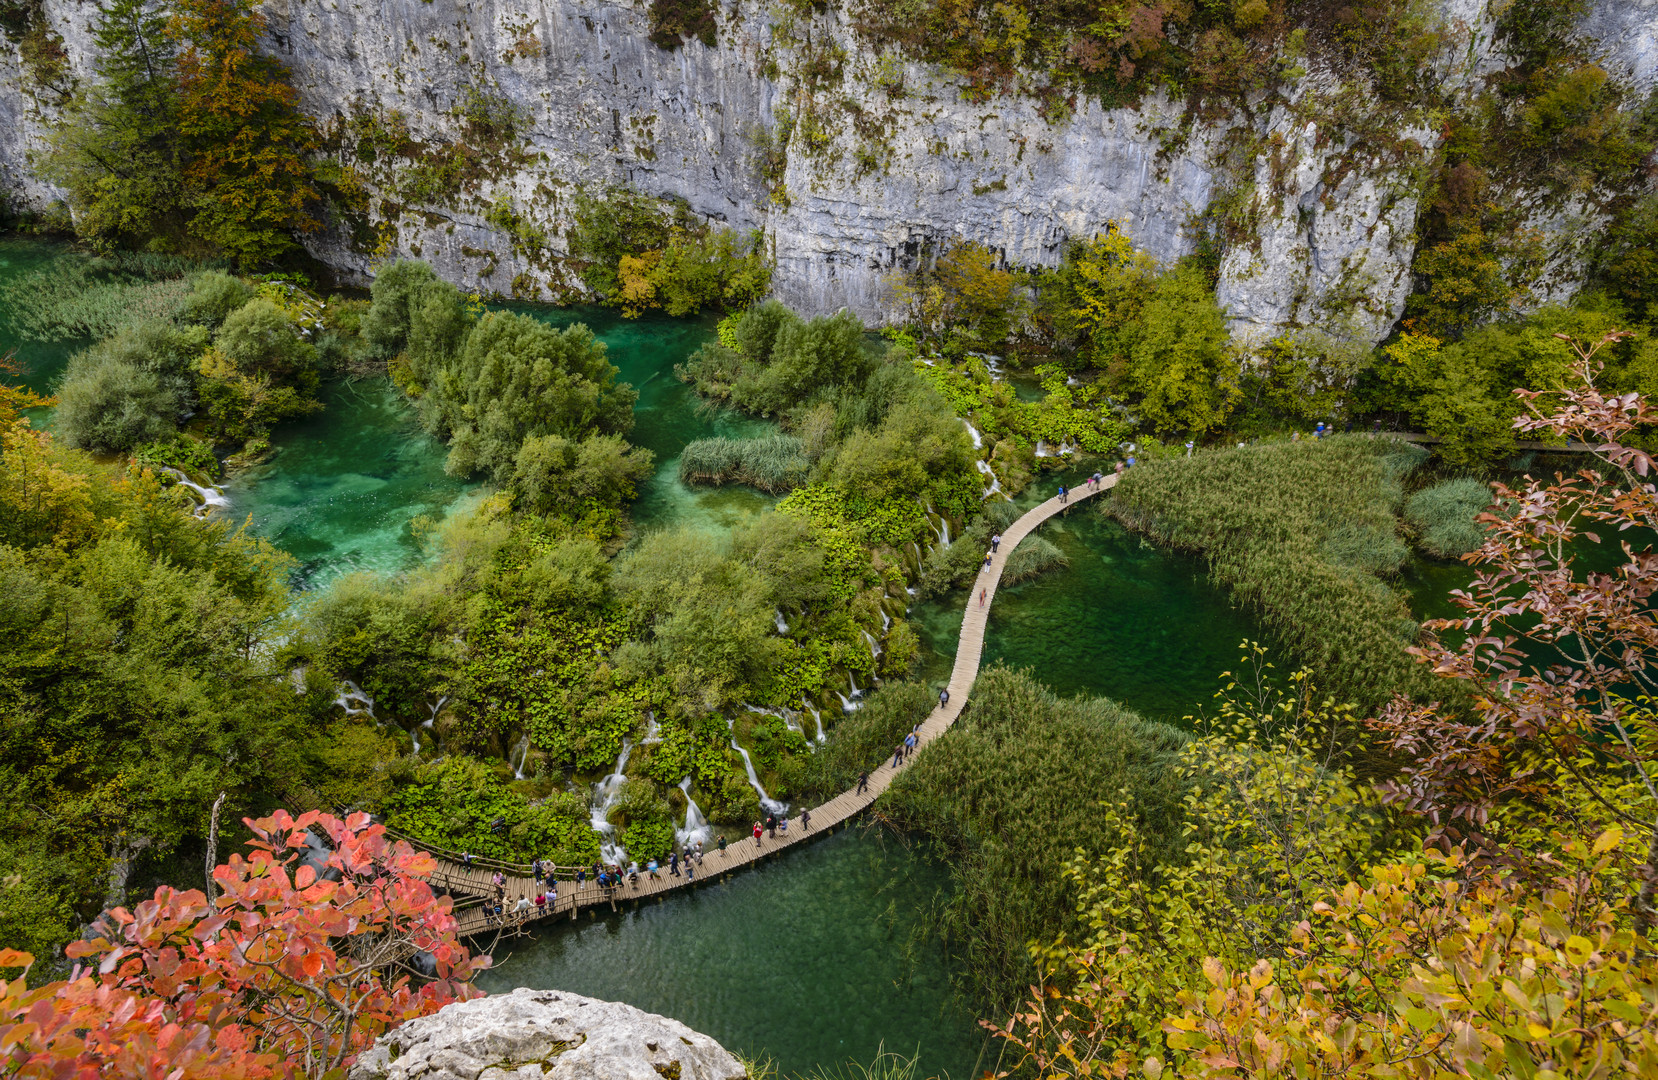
(42, 361)
(1125, 620)
(816, 958)
(342, 488)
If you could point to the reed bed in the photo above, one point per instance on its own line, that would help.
(1303, 533)
(1443, 517)
(772, 463)
(1013, 792)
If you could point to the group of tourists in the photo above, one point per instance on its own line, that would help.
(775, 824)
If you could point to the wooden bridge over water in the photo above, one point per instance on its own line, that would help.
(476, 881)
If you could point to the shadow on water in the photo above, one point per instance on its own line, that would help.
(814, 959)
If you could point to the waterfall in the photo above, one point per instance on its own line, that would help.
(790, 720)
(1042, 449)
(414, 737)
(443, 699)
(782, 627)
(978, 440)
(653, 729)
(772, 806)
(874, 650)
(944, 530)
(817, 716)
(354, 701)
(604, 797)
(696, 826)
(848, 704)
(886, 621)
(523, 752)
(211, 497)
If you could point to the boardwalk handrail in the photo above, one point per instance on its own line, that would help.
(964, 672)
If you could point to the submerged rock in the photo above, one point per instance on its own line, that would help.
(545, 1034)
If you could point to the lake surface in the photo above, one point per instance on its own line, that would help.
(817, 958)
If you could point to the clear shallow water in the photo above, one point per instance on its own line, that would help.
(817, 958)
(41, 361)
(343, 486)
(1125, 620)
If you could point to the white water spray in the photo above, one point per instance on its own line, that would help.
(211, 497)
(696, 826)
(354, 701)
(605, 792)
(523, 752)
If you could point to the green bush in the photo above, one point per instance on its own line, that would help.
(214, 294)
(860, 740)
(1299, 532)
(1443, 516)
(516, 377)
(130, 389)
(774, 463)
(191, 456)
(552, 474)
(1014, 791)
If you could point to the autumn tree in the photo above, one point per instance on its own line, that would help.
(309, 948)
(243, 140)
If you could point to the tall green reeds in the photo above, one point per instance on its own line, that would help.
(773, 463)
(1443, 517)
(1013, 791)
(77, 297)
(1303, 533)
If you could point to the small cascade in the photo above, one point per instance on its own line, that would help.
(414, 737)
(944, 530)
(1042, 449)
(847, 704)
(604, 797)
(696, 826)
(790, 718)
(523, 752)
(978, 440)
(782, 627)
(886, 622)
(653, 728)
(354, 701)
(211, 497)
(874, 646)
(818, 717)
(771, 806)
(443, 700)
(853, 683)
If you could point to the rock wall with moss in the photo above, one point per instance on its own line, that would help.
(460, 132)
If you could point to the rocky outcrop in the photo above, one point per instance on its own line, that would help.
(851, 162)
(545, 1035)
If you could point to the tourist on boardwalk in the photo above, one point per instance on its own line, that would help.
(552, 897)
(633, 875)
(722, 847)
(535, 867)
(552, 876)
(898, 755)
(499, 880)
(521, 910)
(987, 560)
(757, 831)
(690, 871)
(995, 543)
(699, 852)
(650, 868)
(581, 879)
(783, 825)
(466, 858)
(673, 864)
(805, 820)
(944, 697)
(771, 826)
(1062, 493)
(1098, 480)
(863, 782)
(981, 598)
(541, 903)
(909, 744)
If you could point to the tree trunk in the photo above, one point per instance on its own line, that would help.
(123, 851)
(213, 846)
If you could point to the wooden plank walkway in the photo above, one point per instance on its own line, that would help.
(476, 882)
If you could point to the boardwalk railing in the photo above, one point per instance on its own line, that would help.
(477, 880)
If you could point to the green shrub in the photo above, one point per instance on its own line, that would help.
(774, 463)
(1298, 531)
(190, 456)
(214, 294)
(1443, 516)
(860, 740)
(674, 20)
(131, 388)
(553, 474)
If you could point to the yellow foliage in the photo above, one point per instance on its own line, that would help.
(41, 502)
(639, 278)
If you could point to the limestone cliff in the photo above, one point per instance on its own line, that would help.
(548, 1035)
(851, 162)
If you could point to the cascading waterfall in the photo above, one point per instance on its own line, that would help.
(211, 497)
(696, 826)
(771, 805)
(653, 728)
(886, 621)
(523, 752)
(874, 651)
(978, 440)
(782, 627)
(605, 792)
(354, 701)
(790, 718)
(816, 716)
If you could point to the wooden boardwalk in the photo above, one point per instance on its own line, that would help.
(476, 882)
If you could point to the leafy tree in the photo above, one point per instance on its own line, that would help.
(515, 378)
(1175, 360)
(118, 150)
(214, 294)
(553, 474)
(290, 965)
(417, 315)
(131, 388)
(243, 140)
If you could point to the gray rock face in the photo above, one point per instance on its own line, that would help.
(545, 1035)
(847, 176)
